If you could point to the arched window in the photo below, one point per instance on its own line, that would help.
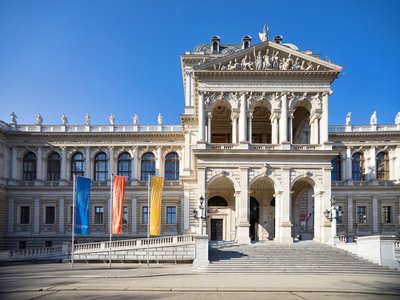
(77, 165)
(261, 125)
(357, 167)
(382, 166)
(221, 124)
(217, 201)
(301, 126)
(29, 167)
(125, 165)
(101, 167)
(172, 166)
(53, 167)
(148, 166)
(336, 174)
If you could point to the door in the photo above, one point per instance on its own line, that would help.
(216, 229)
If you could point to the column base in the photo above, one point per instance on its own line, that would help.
(285, 233)
(242, 234)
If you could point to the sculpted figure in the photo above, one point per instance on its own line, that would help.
(266, 61)
(397, 119)
(296, 65)
(64, 119)
(13, 117)
(373, 120)
(159, 119)
(348, 118)
(135, 119)
(246, 64)
(111, 118)
(87, 119)
(259, 61)
(39, 119)
(264, 35)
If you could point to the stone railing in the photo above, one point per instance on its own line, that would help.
(304, 147)
(134, 244)
(220, 146)
(89, 128)
(362, 128)
(56, 252)
(262, 146)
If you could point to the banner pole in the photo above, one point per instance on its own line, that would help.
(73, 222)
(148, 217)
(110, 217)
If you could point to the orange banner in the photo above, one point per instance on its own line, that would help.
(118, 204)
(157, 184)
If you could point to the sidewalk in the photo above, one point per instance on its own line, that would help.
(58, 281)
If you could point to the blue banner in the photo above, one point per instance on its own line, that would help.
(82, 205)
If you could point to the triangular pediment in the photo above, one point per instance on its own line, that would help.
(268, 56)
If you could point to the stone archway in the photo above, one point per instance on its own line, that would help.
(302, 210)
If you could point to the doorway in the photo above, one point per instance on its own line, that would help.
(216, 229)
(254, 218)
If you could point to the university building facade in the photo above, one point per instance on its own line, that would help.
(253, 141)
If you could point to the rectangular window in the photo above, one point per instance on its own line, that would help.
(50, 214)
(361, 214)
(25, 215)
(71, 215)
(22, 245)
(48, 244)
(125, 216)
(171, 214)
(145, 214)
(387, 215)
(339, 214)
(98, 215)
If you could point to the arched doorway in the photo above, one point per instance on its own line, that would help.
(262, 209)
(254, 218)
(221, 124)
(302, 210)
(221, 209)
(261, 125)
(301, 126)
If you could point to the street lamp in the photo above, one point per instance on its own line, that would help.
(202, 214)
(333, 215)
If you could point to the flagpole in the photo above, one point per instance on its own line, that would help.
(148, 217)
(110, 216)
(73, 223)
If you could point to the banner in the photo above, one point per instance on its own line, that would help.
(157, 184)
(118, 204)
(82, 206)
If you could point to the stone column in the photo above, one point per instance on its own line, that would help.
(234, 128)
(11, 218)
(324, 119)
(185, 210)
(243, 234)
(372, 163)
(188, 90)
(134, 215)
(375, 215)
(134, 164)
(291, 116)
(274, 129)
(111, 170)
(278, 204)
(201, 116)
(159, 162)
(283, 126)
(349, 214)
(14, 163)
(250, 118)
(285, 235)
(39, 169)
(243, 118)
(36, 216)
(88, 163)
(63, 171)
(209, 127)
(61, 215)
(348, 164)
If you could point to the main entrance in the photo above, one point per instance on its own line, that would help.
(217, 229)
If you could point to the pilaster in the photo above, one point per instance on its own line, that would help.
(324, 119)
(243, 118)
(348, 164)
(88, 163)
(14, 164)
(375, 216)
(185, 208)
(63, 169)
(111, 170)
(283, 120)
(285, 235)
(159, 162)
(39, 169)
(61, 215)
(11, 218)
(36, 216)
(201, 116)
(134, 214)
(350, 214)
(243, 234)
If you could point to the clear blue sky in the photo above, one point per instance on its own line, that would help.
(123, 57)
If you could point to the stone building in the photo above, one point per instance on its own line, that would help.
(253, 140)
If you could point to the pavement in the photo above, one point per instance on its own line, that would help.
(170, 281)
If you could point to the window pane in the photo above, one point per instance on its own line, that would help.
(77, 165)
(25, 214)
(148, 166)
(50, 214)
(98, 215)
(387, 214)
(53, 167)
(29, 167)
(172, 166)
(336, 169)
(101, 167)
(124, 165)
(361, 214)
(144, 215)
(125, 217)
(382, 166)
(171, 214)
(357, 167)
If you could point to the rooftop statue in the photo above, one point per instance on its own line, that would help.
(112, 119)
(348, 118)
(87, 119)
(373, 120)
(135, 119)
(397, 119)
(159, 119)
(264, 35)
(13, 117)
(64, 120)
(39, 119)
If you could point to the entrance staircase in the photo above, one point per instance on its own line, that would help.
(302, 257)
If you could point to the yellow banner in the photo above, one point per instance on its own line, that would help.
(157, 184)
